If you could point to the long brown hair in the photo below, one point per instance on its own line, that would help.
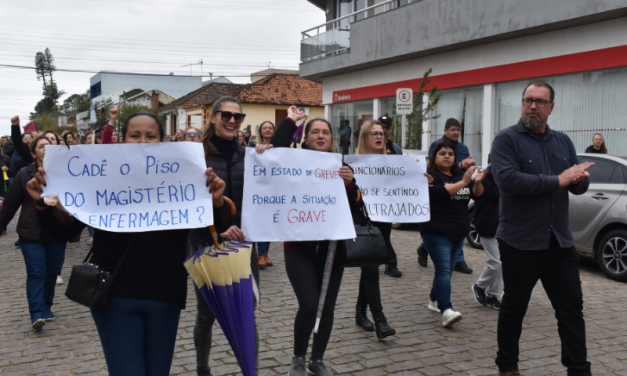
(332, 149)
(210, 129)
(455, 169)
(363, 147)
(259, 136)
(603, 148)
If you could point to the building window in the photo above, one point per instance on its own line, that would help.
(465, 105)
(414, 123)
(346, 135)
(585, 104)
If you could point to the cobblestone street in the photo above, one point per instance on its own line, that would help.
(70, 345)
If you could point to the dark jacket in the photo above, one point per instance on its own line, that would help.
(460, 149)
(533, 205)
(28, 228)
(8, 149)
(234, 179)
(592, 150)
(487, 208)
(20, 147)
(392, 148)
(5, 161)
(283, 138)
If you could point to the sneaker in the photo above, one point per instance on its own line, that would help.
(433, 305)
(392, 272)
(493, 302)
(59, 280)
(479, 295)
(38, 324)
(462, 267)
(48, 316)
(90, 241)
(316, 367)
(423, 257)
(17, 243)
(450, 317)
(298, 368)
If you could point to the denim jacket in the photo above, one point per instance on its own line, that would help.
(533, 206)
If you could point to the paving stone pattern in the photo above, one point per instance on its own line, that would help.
(70, 345)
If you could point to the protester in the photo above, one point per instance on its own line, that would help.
(266, 131)
(241, 138)
(89, 138)
(444, 234)
(5, 166)
(345, 137)
(488, 287)
(192, 135)
(7, 148)
(371, 142)
(179, 137)
(598, 145)
(108, 134)
(535, 169)
(304, 262)
(168, 139)
(452, 129)
(21, 157)
(138, 328)
(226, 157)
(247, 133)
(98, 139)
(42, 255)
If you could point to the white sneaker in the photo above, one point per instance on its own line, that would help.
(450, 317)
(433, 305)
(59, 280)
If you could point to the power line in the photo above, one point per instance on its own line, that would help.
(191, 5)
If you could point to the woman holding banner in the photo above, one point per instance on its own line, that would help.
(444, 234)
(372, 141)
(304, 262)
(138, 328)
(42, 254)
(266, 131)
(226, 157)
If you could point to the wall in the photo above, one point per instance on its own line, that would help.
(579, 39)
(429, 27)
(257, 113)
(175, 86)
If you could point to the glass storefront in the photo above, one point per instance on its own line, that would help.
(346, 135)
(465, 105)
(414, 124)
(585, 104)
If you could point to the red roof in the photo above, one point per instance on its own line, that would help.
(279, 89)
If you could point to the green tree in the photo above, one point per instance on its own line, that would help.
(76, 103)
(421, 114)
(44, 67)
(50, 121)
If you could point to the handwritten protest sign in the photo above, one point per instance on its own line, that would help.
(394, 186)
(131, 187)
(294, 195)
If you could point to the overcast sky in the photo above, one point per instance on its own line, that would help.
(233, 38)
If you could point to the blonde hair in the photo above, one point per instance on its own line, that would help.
(259, 140)
(197, 130)
(363, 146)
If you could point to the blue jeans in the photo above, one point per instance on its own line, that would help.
(137, 336)
(262, 248)
(444, 251)
(460, 258)
(43, 262)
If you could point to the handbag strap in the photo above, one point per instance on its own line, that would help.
(91, 250)
(366, 218)
(119, 265)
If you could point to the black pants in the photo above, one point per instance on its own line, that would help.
(558, 270)
(204, 325)
(305, 270)
(386, 231)
(369, 292)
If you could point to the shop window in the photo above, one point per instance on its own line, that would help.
(346, 121)
(465, 105)
(585, 104)
(414, 123)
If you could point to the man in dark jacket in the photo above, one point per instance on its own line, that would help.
(390, 147)
(488, 287)
(535, 169)
(452, 129)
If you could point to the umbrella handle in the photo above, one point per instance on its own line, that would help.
(212, 228)
(231, 205)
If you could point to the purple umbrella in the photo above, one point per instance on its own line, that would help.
(326, 276)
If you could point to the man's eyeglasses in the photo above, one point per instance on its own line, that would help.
(227, 115)
(540, 103)
(191, 134)
(377, 134)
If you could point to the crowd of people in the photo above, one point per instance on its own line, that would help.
(138, 329)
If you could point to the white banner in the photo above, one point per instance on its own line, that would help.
(131, 187)
(295, 195)
(394, 186)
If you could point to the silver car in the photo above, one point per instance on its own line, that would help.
(598, 218)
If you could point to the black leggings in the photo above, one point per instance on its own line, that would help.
(305, 269)
(369, 292)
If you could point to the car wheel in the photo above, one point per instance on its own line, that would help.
(612, 255)
(473, 235)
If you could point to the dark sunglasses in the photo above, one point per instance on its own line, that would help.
(227, 115)
(192, 134)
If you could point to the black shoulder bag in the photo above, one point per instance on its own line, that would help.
(90, 285)
(367, 249)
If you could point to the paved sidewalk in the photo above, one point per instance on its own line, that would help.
(70, 345)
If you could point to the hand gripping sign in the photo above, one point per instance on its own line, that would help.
(295, 195)
(394, 187)
(131, 187)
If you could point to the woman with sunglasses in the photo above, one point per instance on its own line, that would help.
(226, 157)
(303, 262)
(371, 141)
(192, 135)
(138, 328)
